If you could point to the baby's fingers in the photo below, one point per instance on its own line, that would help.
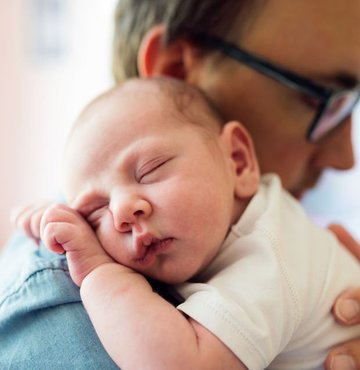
(61, 227)
(58, 213)
(36, 220)
(27, 219)
(19, 218)
(57, 227)
(50, 236)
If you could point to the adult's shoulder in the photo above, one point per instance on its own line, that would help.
(33, 274)
(43, 323)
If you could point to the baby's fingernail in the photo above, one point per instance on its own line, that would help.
(343, 362)
(347, 309)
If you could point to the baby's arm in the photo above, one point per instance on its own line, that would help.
(141, 330)
(138, 328)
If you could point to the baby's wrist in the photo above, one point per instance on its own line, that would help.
(81, 266)
(105, 274)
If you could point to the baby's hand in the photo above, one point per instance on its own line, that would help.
(28, 219)
(62, 229)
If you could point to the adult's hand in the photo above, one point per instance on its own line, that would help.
(346, 311)
(346, 239)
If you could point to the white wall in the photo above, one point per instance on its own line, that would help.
(42, 91)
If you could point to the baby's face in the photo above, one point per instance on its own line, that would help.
(157, 191)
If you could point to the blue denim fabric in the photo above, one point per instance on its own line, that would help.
(43, 324)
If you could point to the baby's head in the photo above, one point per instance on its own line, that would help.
(166, 96)
(160, 177)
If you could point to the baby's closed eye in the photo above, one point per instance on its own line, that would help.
(149, 172)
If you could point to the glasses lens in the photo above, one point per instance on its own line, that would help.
(338, 108)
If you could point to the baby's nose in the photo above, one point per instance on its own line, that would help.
(130, 212)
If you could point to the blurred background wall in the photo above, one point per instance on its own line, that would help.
(55, 56)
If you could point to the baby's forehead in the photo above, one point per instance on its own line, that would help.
(124, 100)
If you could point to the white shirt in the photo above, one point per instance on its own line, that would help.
(269, 292)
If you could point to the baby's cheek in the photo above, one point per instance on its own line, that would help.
(114, 243)
(105, 230)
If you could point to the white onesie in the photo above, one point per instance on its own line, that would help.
(268, 294)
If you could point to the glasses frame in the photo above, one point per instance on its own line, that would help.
(324, 94)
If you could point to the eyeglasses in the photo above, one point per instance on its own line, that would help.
(333, 105)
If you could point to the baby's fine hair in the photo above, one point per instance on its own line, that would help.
(187, 103)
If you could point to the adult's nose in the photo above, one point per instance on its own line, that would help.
(336, 150)
(128, 211)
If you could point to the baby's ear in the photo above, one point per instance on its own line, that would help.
(238, 144)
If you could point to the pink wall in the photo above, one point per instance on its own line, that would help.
(40, 95)
(13, 130)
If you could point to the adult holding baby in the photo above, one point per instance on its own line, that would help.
(289, 71)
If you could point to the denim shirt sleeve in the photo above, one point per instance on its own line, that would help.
(43, 324)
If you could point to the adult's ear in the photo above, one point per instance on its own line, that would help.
(239, 145)
(157, 59)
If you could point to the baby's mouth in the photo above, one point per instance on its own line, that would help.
(148, 247)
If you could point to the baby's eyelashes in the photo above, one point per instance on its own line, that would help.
(148, 172)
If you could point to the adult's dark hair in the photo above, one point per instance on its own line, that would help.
(182, 18)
